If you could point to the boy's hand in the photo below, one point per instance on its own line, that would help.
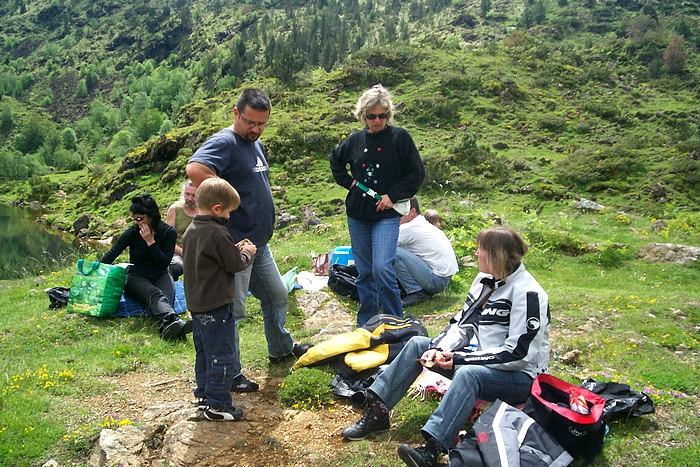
(243, 242)
(249, 247)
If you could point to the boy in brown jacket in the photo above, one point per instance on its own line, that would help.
(211, 260)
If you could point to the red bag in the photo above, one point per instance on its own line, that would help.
(549, 404)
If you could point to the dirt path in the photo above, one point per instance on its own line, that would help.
(267, 435)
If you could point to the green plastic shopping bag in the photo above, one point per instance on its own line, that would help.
(96, 289)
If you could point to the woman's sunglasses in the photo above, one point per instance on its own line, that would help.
(374, 116)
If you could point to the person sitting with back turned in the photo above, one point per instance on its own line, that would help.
(434, 217)
(151, 244)
(180, 215)
(425, 260)
(211, 262)
(506, 316)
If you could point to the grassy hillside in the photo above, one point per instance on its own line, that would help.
(518, 109)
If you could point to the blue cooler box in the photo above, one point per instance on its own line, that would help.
(341, 255)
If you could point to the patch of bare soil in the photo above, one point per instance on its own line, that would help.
(267, 434)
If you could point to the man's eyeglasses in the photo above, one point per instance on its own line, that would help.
(374, 116)
(260, 125)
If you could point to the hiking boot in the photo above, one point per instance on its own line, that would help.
(243, 384)
(374, 420)
(415, 298)
(297, 351)
(231, 414)
(423, 456)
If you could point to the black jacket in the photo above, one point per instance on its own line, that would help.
(387, 162)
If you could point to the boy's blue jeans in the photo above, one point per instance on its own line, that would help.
(215, 335)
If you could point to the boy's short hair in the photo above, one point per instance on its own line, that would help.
(214, 191)
(432, 216)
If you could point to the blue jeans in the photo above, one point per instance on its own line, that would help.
(263, 279)
(414, 274)
(159, 295)
(214, 334)
(374, 249)
(469, 382)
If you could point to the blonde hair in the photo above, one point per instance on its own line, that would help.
(504, 250)
(214, 191)
(432, 216)
(376, 95)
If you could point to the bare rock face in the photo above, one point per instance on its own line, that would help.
(588, 205)
(125, 446)
(81, 224)
(173, 434)
(309, 217)
(322, 311)
(669, 253)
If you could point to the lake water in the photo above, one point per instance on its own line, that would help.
(27, 249)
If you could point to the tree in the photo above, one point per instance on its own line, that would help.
(674, 55)
(69, 138)
(6, 121)
(286, 63)
(148, 123)
(81, 90)
(485, 7)
(31, 137)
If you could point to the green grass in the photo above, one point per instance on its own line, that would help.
(633, 321)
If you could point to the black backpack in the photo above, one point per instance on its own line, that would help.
(341, 280)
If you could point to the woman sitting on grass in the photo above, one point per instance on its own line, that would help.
(151, 244)
(506, 315)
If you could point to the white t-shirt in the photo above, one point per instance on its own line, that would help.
(429, 243)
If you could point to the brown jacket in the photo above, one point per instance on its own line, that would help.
(211, 260)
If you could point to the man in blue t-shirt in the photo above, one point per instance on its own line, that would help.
(236, 154)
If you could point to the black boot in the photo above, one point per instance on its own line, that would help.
(423, 456)
(375, 420)
(170, 330)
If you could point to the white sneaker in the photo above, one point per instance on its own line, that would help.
(227, 415)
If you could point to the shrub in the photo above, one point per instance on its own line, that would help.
(432, 109)
(584, 167)
(685, 172)
(610, 255)
(470, 167)
(41, 189)
(389, 65)
(582, 128)
(306, 389)
(547, 238)
(555, 124)
(606, 110)
(459, 81)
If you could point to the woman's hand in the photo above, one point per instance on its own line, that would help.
(445, 361)
(146, 233)
(432, 357)
(384, 204)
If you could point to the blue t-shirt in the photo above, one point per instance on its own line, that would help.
(243, 165)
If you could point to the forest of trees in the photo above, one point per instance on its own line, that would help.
(70, 98)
